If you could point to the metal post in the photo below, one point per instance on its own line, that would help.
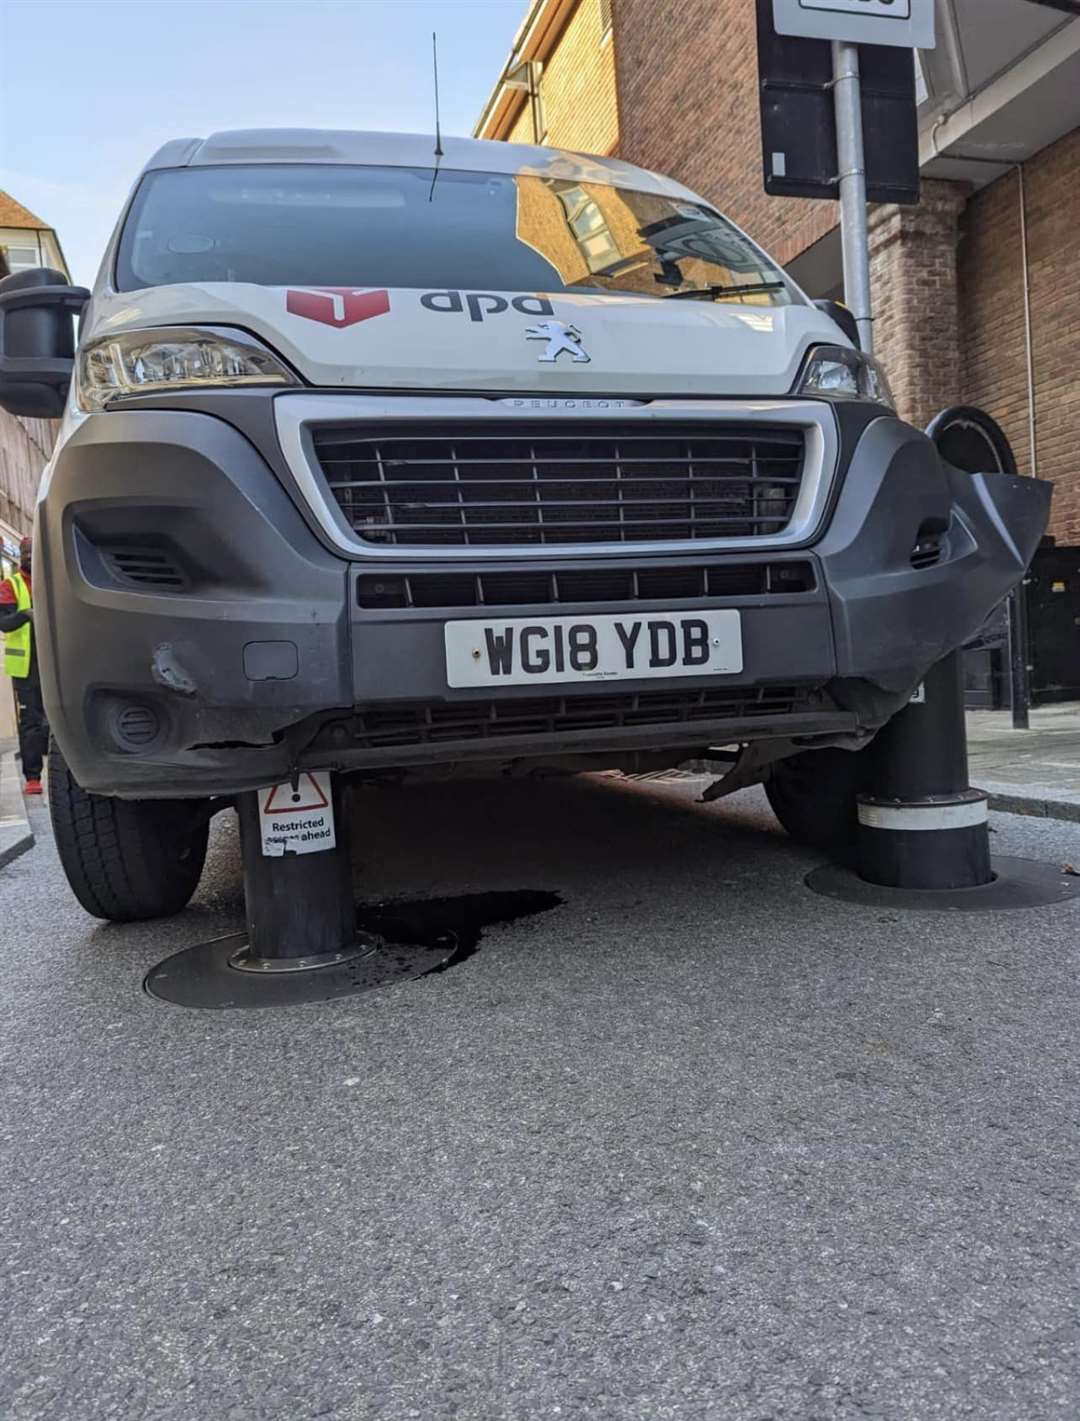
(920, 824)
(300, 908)
(302, 942)
(923, 840)
(1019, 670)
(853, 220)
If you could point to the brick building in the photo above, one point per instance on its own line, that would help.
(976, 290)
(25, 444)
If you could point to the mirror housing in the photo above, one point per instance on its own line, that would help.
(842, 317)
(37, 341)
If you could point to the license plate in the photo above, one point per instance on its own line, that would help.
(541, 651)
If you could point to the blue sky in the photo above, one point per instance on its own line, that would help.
(90, 89)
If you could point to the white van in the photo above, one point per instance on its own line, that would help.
(373, 461)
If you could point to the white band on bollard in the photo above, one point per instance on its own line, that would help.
(923, 816)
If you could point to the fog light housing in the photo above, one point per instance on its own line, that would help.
(135, 727)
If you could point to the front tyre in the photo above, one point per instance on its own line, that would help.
(126, 860)
(813, 794)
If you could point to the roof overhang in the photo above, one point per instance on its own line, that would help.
(1004, 83)
(537, 36)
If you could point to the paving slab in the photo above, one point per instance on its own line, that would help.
(1034, 771)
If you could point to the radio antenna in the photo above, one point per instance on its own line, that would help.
(435, 68)
(438, 135)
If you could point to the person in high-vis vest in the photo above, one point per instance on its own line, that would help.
(20, 663)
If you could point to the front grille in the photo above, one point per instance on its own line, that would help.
(467, 485)
(423, 723)
(614, 584)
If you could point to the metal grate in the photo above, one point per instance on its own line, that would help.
(418, 724)
(582, 585)
(466, 486)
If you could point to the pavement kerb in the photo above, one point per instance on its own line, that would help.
(1038, 801)
(16, 835)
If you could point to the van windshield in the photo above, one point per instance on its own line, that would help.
(314, 225)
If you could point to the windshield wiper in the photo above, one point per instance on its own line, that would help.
(718, 293)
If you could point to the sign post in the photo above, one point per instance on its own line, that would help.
(847, 24)
(854, 229)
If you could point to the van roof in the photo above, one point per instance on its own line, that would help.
(406, 150)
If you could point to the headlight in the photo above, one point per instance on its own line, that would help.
(843, 374)
(173, 358)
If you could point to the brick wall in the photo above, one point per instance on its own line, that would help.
(913, 276)
(992, 303)
(25, 446)
(577, 87)
(992, 317)
(688, 106)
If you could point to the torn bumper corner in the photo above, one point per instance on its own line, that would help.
(895, 613)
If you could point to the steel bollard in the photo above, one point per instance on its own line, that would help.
(920, 824)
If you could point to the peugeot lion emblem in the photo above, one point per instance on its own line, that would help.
(559, 337)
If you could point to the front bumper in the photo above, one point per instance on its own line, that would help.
(199, 633)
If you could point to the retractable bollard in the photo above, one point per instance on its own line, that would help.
(921, 825)
(923, 837)
(299, 907)
(302, 942)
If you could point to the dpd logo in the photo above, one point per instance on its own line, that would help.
(484, 303)
(337, 305)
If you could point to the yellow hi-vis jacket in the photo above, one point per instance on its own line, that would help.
(17, 643)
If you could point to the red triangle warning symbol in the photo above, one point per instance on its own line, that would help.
(283, 799)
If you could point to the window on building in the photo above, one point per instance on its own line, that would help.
(20, 258)
(605, 18)
(590, 230)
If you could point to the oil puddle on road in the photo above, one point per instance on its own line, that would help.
(428, 922)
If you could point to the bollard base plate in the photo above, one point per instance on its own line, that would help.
(220, 974)
(1017, 883)
(244, 960)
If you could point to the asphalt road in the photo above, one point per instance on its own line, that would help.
(694, 1144)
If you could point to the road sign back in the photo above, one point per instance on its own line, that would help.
(798, 121)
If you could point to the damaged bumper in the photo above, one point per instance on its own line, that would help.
(199, 635)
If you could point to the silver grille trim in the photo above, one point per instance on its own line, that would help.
(298, 416)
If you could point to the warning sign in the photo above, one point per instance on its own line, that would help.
(300, 820)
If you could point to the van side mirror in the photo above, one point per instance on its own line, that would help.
(841, 316)
(37, 341)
